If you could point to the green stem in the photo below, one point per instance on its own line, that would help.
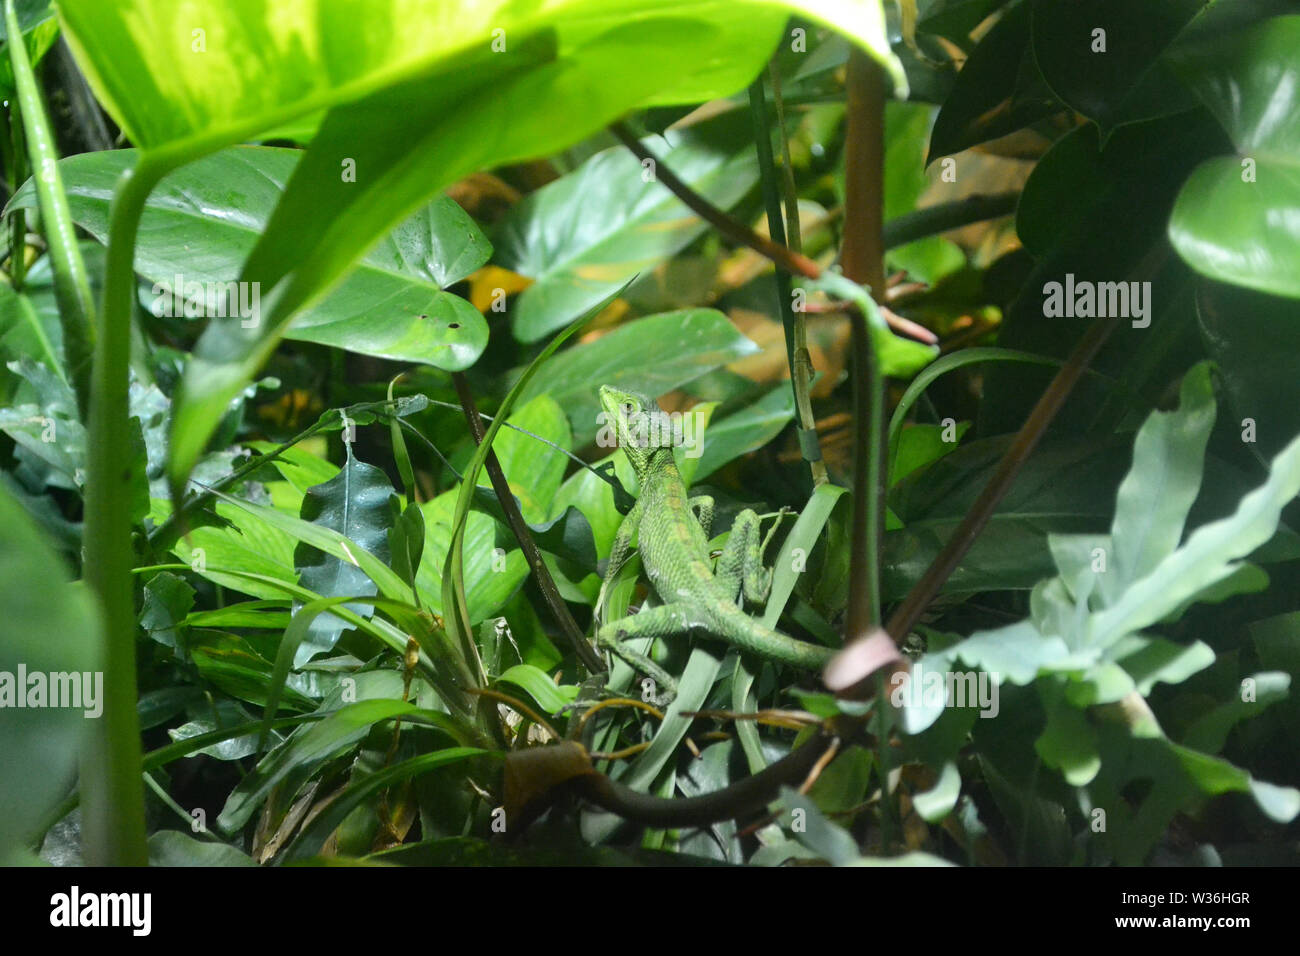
(113, 807)
(933, 220)
(789, 193)
(71, 281)
(796, 334)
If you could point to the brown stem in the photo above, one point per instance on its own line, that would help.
(730, 227)
(740, 799)
(586, 653)
(863, 260)
(907, 614)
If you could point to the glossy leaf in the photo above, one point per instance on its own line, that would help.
(491, 575)
(353, 503)
(1226, 223)
(745, 430)
(584, 235)
(671, 350)
(543, 78)
(202, 221)
(533, 468)
(1253, 339)
(540, 687)
(998, 91)
(1117, 75)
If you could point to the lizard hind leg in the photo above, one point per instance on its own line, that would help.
(740, 569)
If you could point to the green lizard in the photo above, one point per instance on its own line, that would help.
(672, 533)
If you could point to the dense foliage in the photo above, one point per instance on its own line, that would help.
(305, 313)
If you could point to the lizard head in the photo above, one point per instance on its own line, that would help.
(642, 427)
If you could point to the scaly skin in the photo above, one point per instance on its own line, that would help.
(672, 533)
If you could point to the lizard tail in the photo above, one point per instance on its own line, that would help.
(748, 634)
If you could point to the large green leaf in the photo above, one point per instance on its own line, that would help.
(745, 430)
(411, 97)
(1064, 487)
(998, 91)
(1228, 223)
(1117, 76)
(589, 232)
(202, 221)
(670, 350)
(533, 468)
(50, 627)
(492, 572)
(179, 77)
(242, 541)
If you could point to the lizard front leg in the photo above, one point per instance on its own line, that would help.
(655, 622)
(622, 547)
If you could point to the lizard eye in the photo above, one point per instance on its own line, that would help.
(629, 408)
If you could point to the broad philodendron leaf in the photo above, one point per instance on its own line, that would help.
(50, 626)
(355, 503)
(177, 77)
(998, 91)
(1254, 338)
(391, 305)
(541, 77)
(1226, 223)
(741, 432)
(1104, 58)
(584, 235)
(671, 350)
(533, 469)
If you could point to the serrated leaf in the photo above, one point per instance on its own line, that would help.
(354, 503)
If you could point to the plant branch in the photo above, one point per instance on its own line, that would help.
(794, 323)
(506, 498)
(71, 281)
(113, 824)
(933, 220)
(863, 261)
(908, 613)
(862, 258)
(730, 227)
